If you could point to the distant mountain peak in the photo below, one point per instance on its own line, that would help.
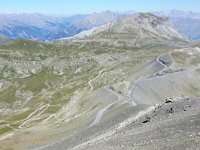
(151, 19)
(188, 22)
(135, 30)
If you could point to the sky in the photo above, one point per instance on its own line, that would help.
(89, 6)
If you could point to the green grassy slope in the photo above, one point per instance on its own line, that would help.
(34, 74)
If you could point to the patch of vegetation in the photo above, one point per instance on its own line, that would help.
(5, 130)
(20, 116)
(94, 107)
(36, 82)
(52, 109)
(8, 96)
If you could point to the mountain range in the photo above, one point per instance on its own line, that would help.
(186, 22)
(35, 26)
(49, 28)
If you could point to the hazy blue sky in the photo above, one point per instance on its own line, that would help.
(88, 6)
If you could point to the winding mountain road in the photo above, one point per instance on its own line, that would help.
(158, 60)
(92, 80)
(161, 62)
(31, 116)
(102, 111)
(100, 114)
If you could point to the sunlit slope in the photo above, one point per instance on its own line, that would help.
(38, 76)
(49, 90)
(178, 77)
(40, 81)
(137, 30)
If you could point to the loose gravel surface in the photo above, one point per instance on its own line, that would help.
(171, 125)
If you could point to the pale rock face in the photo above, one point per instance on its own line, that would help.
(136, 30)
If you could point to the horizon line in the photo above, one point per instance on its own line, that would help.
(82, 13)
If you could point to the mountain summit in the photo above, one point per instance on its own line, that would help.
(133, 30)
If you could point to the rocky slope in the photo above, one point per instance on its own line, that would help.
(171, 125)
(137, 30)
